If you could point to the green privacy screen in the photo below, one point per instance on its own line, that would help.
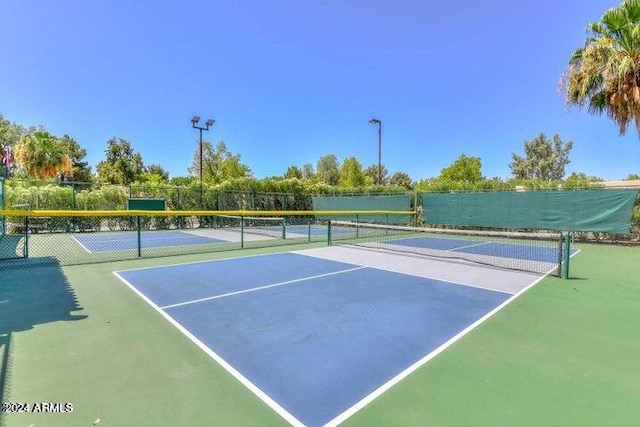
(564, 210)
(396, 202)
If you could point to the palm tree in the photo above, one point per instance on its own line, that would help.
(605, 73)
(42, 155)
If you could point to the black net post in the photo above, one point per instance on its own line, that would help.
(566, 256)
(284, 227)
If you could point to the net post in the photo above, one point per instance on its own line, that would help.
(139, 236)
(566, 256)
(386, 230)
(308, 229)
(284, 227)
(242, 231)
(329, 232)
(357, 226)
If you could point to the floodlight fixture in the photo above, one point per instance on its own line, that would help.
(207, 125)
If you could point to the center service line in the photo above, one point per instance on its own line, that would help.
(261, 287)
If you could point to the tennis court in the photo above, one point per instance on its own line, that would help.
(341, 329)
(129, 240)
(121, 241)
(316, 333)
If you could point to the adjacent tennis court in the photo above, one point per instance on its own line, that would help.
(318, 332)
(114, 241)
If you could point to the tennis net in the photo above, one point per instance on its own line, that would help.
(274, 227)
(526, 251)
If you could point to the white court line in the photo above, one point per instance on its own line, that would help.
(80, 243)
(237, 375)
(468, 246)
(202, 261)
(402, 375)
(261, 288)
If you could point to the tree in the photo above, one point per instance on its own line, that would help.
(605, 73)
(401, 179)
(81, 171)
(182, 181)
(581, 180)
(218, 164)
(293, 172)
(122, 164)
(465, 169)
(544, 160)
(351, 173)
(372, 173)
(11, 133)
(328, 169)
(155, 174)
(307, 171)
(632, 177)
(42, 155)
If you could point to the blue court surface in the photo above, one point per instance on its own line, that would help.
(315, 336)
(120, 241)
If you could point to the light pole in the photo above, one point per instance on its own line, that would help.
(374, 121)
(207, 125)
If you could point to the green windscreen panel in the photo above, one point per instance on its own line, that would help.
(564, 210)
(395, 202)
(147, 204)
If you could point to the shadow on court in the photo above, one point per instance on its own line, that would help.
(29, 297)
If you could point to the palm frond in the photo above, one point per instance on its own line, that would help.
(615, 20)
(576, 56)
(632, 10)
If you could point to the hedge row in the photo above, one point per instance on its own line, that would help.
(238, 194)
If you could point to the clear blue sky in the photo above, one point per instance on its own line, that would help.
(288, 81)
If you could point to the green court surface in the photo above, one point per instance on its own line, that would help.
(565, 353)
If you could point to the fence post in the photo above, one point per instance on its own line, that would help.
(73, 195)
(26, 237)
